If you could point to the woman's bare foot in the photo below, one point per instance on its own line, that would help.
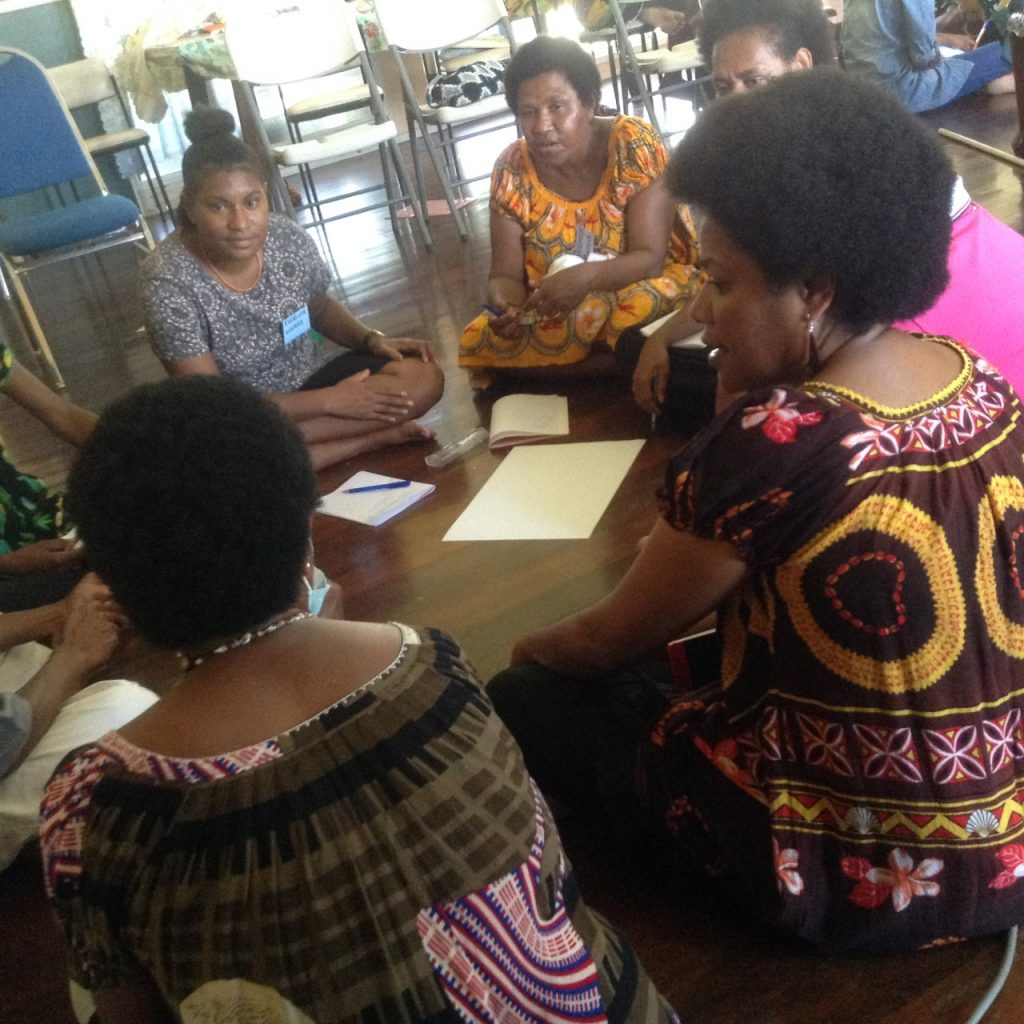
(1000, 86)
(327, 453)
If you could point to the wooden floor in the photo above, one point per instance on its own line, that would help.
(715, 968)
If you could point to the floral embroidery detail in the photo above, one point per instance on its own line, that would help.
(786, 869)
(724, 756)
(982, 823)
(956, 423)
(779, 419)
(824, 744)
(955, 754)
(1012, 859)
(888, 753)
(862, 820)
(900, 879)
(1003, 739)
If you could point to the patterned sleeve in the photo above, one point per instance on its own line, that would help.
(507, 192)
(175, 320)
(640, 156)
(95, 958)
(763, 476)
(291, 241)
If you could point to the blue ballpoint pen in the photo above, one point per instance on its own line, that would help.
(393, 486)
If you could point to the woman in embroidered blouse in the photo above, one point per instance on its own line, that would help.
(323, 820)
(585, 240)
(855, 517)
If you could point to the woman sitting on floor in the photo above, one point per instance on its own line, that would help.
(854, 517)
(323, 820)
(745, 43)
(237, 290)
(585, 241)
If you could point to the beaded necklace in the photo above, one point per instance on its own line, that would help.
(191, 661)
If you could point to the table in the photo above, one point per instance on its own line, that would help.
(200, 57)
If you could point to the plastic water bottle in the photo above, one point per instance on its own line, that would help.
(456, 449)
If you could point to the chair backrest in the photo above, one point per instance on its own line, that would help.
(273, 43)
(83, 82)
(39, 143)
(418, 26)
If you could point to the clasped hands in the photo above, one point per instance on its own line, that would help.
(552, 298)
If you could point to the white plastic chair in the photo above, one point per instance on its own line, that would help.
(84, 83)
(415, 27)
(640, 66)
(274, 44)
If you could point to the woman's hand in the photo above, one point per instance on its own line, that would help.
(505, 322)
(398, 348)
(39, 557)
(558, 294)
(651, 376)
(361, 398)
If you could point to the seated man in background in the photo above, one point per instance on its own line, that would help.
(45, 708)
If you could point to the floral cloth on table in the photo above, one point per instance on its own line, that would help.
(388, 860)
(27, 513)
(861, 767)
(551, 224)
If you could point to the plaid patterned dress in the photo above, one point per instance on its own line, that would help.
(861, 768)
(389, 860)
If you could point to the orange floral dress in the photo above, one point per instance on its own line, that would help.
(636, 159)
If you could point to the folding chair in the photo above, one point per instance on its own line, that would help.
(273, 44)
(413, 27)
(658, 61)
(41, 150)
(84, 83)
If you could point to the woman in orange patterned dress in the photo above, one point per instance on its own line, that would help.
(585, 239)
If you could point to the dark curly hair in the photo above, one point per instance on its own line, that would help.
(193, 498)
(789, 25)
(551, 53)
(215, 147)
(822, 174)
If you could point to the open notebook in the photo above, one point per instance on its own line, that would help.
(520, 419)
(375, 506)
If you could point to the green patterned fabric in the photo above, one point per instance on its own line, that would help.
(27, 513)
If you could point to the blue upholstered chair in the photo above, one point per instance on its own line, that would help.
(44, 161)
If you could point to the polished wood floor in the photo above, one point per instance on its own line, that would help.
(716, 968)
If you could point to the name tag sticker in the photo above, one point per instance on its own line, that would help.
(296, 325)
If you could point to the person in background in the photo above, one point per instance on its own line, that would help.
(585, 241)
(323, 820)
(853, 516)
(894, 43)
(239, 291)
(48, 706)
(745, 43)
(38, 564)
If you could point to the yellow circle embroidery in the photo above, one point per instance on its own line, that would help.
(1004, 493)
(897, 518)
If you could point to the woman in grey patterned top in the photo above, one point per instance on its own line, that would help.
(236, 290)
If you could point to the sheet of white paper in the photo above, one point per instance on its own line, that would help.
(547, 492)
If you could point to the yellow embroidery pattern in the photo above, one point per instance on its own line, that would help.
(904, 522)
(1005, 494)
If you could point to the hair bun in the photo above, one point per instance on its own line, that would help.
(204, 122)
